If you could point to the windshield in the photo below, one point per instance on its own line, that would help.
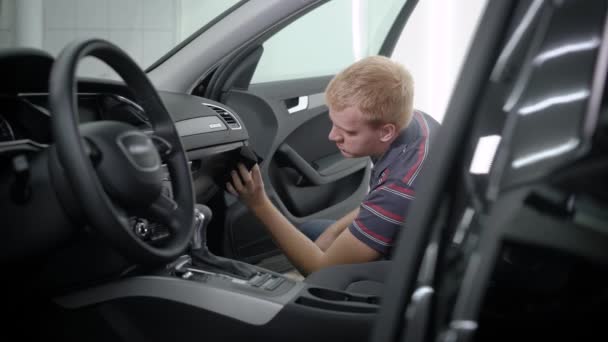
(146, 30)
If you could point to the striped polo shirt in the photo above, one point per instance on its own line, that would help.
(392, 185)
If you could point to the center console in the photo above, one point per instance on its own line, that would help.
(268, 284)
(179, 301)
(263, 283)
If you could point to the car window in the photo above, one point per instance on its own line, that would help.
(325, 40)
(146, 30)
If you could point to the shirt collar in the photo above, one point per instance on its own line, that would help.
(406, 137)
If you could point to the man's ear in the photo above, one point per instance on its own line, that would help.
(388, 132)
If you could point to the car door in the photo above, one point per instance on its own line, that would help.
(276, 83)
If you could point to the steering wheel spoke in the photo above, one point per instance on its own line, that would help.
(92, 151)
(165, 148)
(165, 211)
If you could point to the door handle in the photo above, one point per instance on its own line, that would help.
(301, 103)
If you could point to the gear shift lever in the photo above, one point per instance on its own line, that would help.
(201, 256)
(202, 217)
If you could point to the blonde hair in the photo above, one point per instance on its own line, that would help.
(382, 89)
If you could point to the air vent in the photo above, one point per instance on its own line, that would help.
(225, 115)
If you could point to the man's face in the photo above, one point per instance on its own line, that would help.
(353, 135)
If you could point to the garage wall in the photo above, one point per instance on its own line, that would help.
(6, 23)
(134, 25)
(433, 46)
(145, 29)
(128, 23)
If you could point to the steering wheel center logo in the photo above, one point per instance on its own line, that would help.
(140, 151)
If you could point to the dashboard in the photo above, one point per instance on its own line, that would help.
(25, 112)
(209, 130)
(39, 209)
(27, 117)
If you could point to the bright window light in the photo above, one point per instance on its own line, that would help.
(484, 154)
(547, 153)
(554, 100)
(567, 49)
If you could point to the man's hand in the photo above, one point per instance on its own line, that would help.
(248, 186)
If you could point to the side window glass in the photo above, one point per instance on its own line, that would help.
(327, 39)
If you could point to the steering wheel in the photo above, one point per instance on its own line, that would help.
(114, 169)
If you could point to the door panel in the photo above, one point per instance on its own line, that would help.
(321, 171)
(304, 172)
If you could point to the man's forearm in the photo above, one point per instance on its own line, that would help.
(331, 233)
(301, 251)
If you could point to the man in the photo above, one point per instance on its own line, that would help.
(371, 109)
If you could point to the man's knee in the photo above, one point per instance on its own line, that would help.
(314, 228)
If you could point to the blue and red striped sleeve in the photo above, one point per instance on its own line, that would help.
(381, 215)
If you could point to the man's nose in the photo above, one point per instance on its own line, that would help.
(332, 134)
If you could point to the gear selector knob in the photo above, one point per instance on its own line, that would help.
(202, 217)
(202, 257)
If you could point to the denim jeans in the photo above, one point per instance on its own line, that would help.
(314, 228)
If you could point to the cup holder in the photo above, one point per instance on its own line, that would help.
(328, 294)
(333, 300)
(340, 296)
